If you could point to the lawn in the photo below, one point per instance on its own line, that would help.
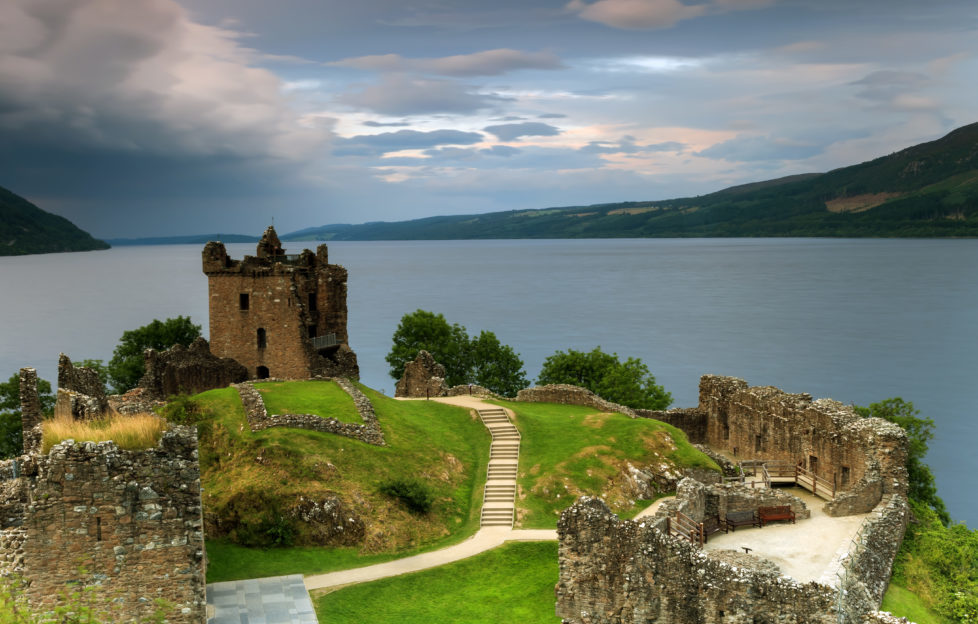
(250, 480)
(570, 450)
(321, 398)
(512, 583)
(902, 603)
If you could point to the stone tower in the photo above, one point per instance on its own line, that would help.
(279, 315)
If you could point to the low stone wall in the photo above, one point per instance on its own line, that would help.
(622, 572)
(259, 418)
(870, 565)
(566, 394)
(472, 390)
(700, 501)
(128, 523)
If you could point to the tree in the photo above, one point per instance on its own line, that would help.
(484, 360)
(629, 383)
(127, 367)
(11, 434)
(496, 366)
(921, 487)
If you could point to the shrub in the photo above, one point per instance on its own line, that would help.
(414, 494)
(182, 410)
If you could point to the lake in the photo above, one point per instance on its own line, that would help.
(854, 320)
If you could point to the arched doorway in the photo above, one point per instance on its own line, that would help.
(262, 372)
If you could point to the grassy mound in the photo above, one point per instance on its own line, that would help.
(321, 398)
(569, 450)
(512, 583)
(252, 481)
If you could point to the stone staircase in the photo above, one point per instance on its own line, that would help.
(504, 454)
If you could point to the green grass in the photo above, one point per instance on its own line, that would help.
(248, 475)
(901, 602)
(321, 398)
(570, 450)
(512, 583)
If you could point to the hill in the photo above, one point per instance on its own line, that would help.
(928, 190)
(26, 229)
(188, 239)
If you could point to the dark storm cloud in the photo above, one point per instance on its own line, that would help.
(510, 132)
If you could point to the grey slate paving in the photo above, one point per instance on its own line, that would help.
(272, 600)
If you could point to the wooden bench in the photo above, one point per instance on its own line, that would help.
(713, 525)
(735, 519)
(775, 513)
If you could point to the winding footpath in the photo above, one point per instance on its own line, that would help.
(498, 510)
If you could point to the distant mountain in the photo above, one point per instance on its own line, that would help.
(26, 229)
(190, 239)
(928, 190)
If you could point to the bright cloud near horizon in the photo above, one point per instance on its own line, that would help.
(162, 117)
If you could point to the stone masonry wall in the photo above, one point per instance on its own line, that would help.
(622, 572)
(181, 370)
(691, 420)
(864, 457)
(259, 418)
(567, 394)
(700, 501)
(82, 380)
(127, 522)
(30, 410)
(423, 377)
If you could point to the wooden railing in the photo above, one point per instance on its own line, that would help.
(682, 526)
(814, 483)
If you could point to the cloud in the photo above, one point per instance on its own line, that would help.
(761, 148)
(636, 14)
(654, 14)
(551, 116)
(401, 95)
(513, 131)
(486, 63)
(139, 77)
(627, 146)
(884, 85)
(376, 144)
(386, 124)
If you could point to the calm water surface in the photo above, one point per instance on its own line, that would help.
(854, 320)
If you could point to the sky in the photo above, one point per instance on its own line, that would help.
(163, 117)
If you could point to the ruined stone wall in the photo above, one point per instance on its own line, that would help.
(870, 564)
(82, 380)
(259, 418)
(182, 370)
(690, 420)
(471, 390)
(700, 500)
(864, 457)
(566, 394)
(292, 299)
(622, 572)
(127, 522)
(30, 410)
(423, 377)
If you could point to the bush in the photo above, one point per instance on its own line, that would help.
(414, 494)
(182, 410)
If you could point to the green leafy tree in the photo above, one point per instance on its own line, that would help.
(11, 434)
(922, 486)
(126, 367)
(448, 344)
(483, 360)
(496, 366)
(629, 383)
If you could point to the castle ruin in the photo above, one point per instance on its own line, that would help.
(279, 315)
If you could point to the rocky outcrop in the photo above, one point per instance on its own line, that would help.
(328, 521)
(183, 370)
(422, 378)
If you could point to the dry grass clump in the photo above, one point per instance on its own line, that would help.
(131, 432)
